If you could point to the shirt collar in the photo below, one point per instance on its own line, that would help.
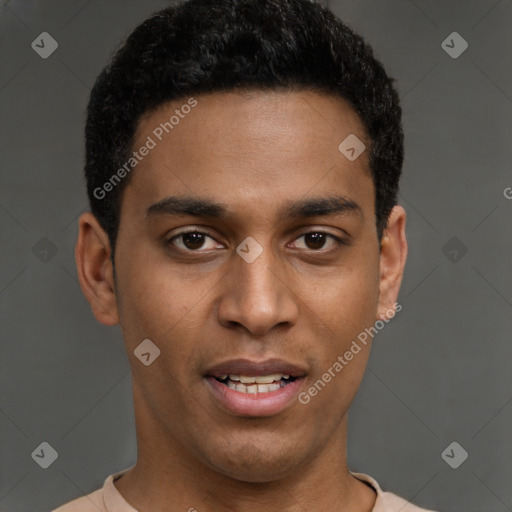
(115, 502)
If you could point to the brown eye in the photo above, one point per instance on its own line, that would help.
(192, 241)
(317, 240)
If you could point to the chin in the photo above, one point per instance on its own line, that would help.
(252, 463)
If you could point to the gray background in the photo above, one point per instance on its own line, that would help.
(440, 372)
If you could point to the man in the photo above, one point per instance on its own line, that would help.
(242, 164)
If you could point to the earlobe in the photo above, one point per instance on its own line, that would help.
(95, 270)
(393, 256)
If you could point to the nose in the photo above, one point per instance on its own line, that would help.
(257, 296)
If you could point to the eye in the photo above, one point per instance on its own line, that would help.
(195, 241)
(192, 241)
(316, 240)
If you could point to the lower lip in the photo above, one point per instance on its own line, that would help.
(254, 404)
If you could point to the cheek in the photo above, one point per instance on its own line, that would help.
(154, 297)
(147, 302)
(158, 305)
(346, 301)
(342, 312)
(340, 309)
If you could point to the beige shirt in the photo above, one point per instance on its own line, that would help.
(108, 499)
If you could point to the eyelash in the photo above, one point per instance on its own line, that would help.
(339, 241)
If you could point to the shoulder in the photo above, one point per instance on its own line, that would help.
(91, 503)
(387, 501)
(393, 503)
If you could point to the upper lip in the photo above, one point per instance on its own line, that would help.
(255, 368)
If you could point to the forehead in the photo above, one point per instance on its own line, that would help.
(250, 147)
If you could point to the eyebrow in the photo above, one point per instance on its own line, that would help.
(304, 208)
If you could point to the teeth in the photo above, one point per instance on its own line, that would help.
(254, 384)
(260, 379)
(254, 388)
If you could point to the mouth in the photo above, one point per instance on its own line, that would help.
(256, 384)
(247, 388)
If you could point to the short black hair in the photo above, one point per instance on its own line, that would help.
(204, 46)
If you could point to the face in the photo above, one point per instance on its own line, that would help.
(247, 250)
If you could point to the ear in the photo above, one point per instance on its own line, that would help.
(393, 254)
(95, 270)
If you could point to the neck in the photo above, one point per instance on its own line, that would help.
(169, 478)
